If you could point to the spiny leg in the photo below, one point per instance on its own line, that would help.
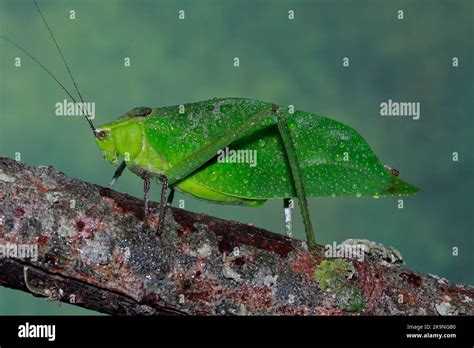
(298, 180)
(287, 210)
(164, 188)
(118, 173)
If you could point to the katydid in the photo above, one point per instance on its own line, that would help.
(300, 154)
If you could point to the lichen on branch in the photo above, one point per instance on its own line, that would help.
(94, 252)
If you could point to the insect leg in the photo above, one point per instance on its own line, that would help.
(297, 179)
(146, 191)
(170, 197)
(164, 188)
(118, 173)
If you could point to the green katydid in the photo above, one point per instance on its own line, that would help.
(300, 154)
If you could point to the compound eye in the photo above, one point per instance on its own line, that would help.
(102, 135)
(140, 112)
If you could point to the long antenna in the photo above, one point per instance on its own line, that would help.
(65, 62)
(39, 63)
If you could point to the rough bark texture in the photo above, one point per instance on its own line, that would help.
(94, 251)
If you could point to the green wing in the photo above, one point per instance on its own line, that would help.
(335, 160)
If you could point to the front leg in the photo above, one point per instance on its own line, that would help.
(118, 173)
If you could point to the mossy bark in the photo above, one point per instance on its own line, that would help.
(94, 252)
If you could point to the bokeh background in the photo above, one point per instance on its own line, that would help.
(282, 61)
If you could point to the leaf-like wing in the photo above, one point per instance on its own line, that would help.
(335, 160)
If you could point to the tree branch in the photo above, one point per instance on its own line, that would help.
(93, 251)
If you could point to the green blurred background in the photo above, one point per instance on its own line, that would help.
(282, 61)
